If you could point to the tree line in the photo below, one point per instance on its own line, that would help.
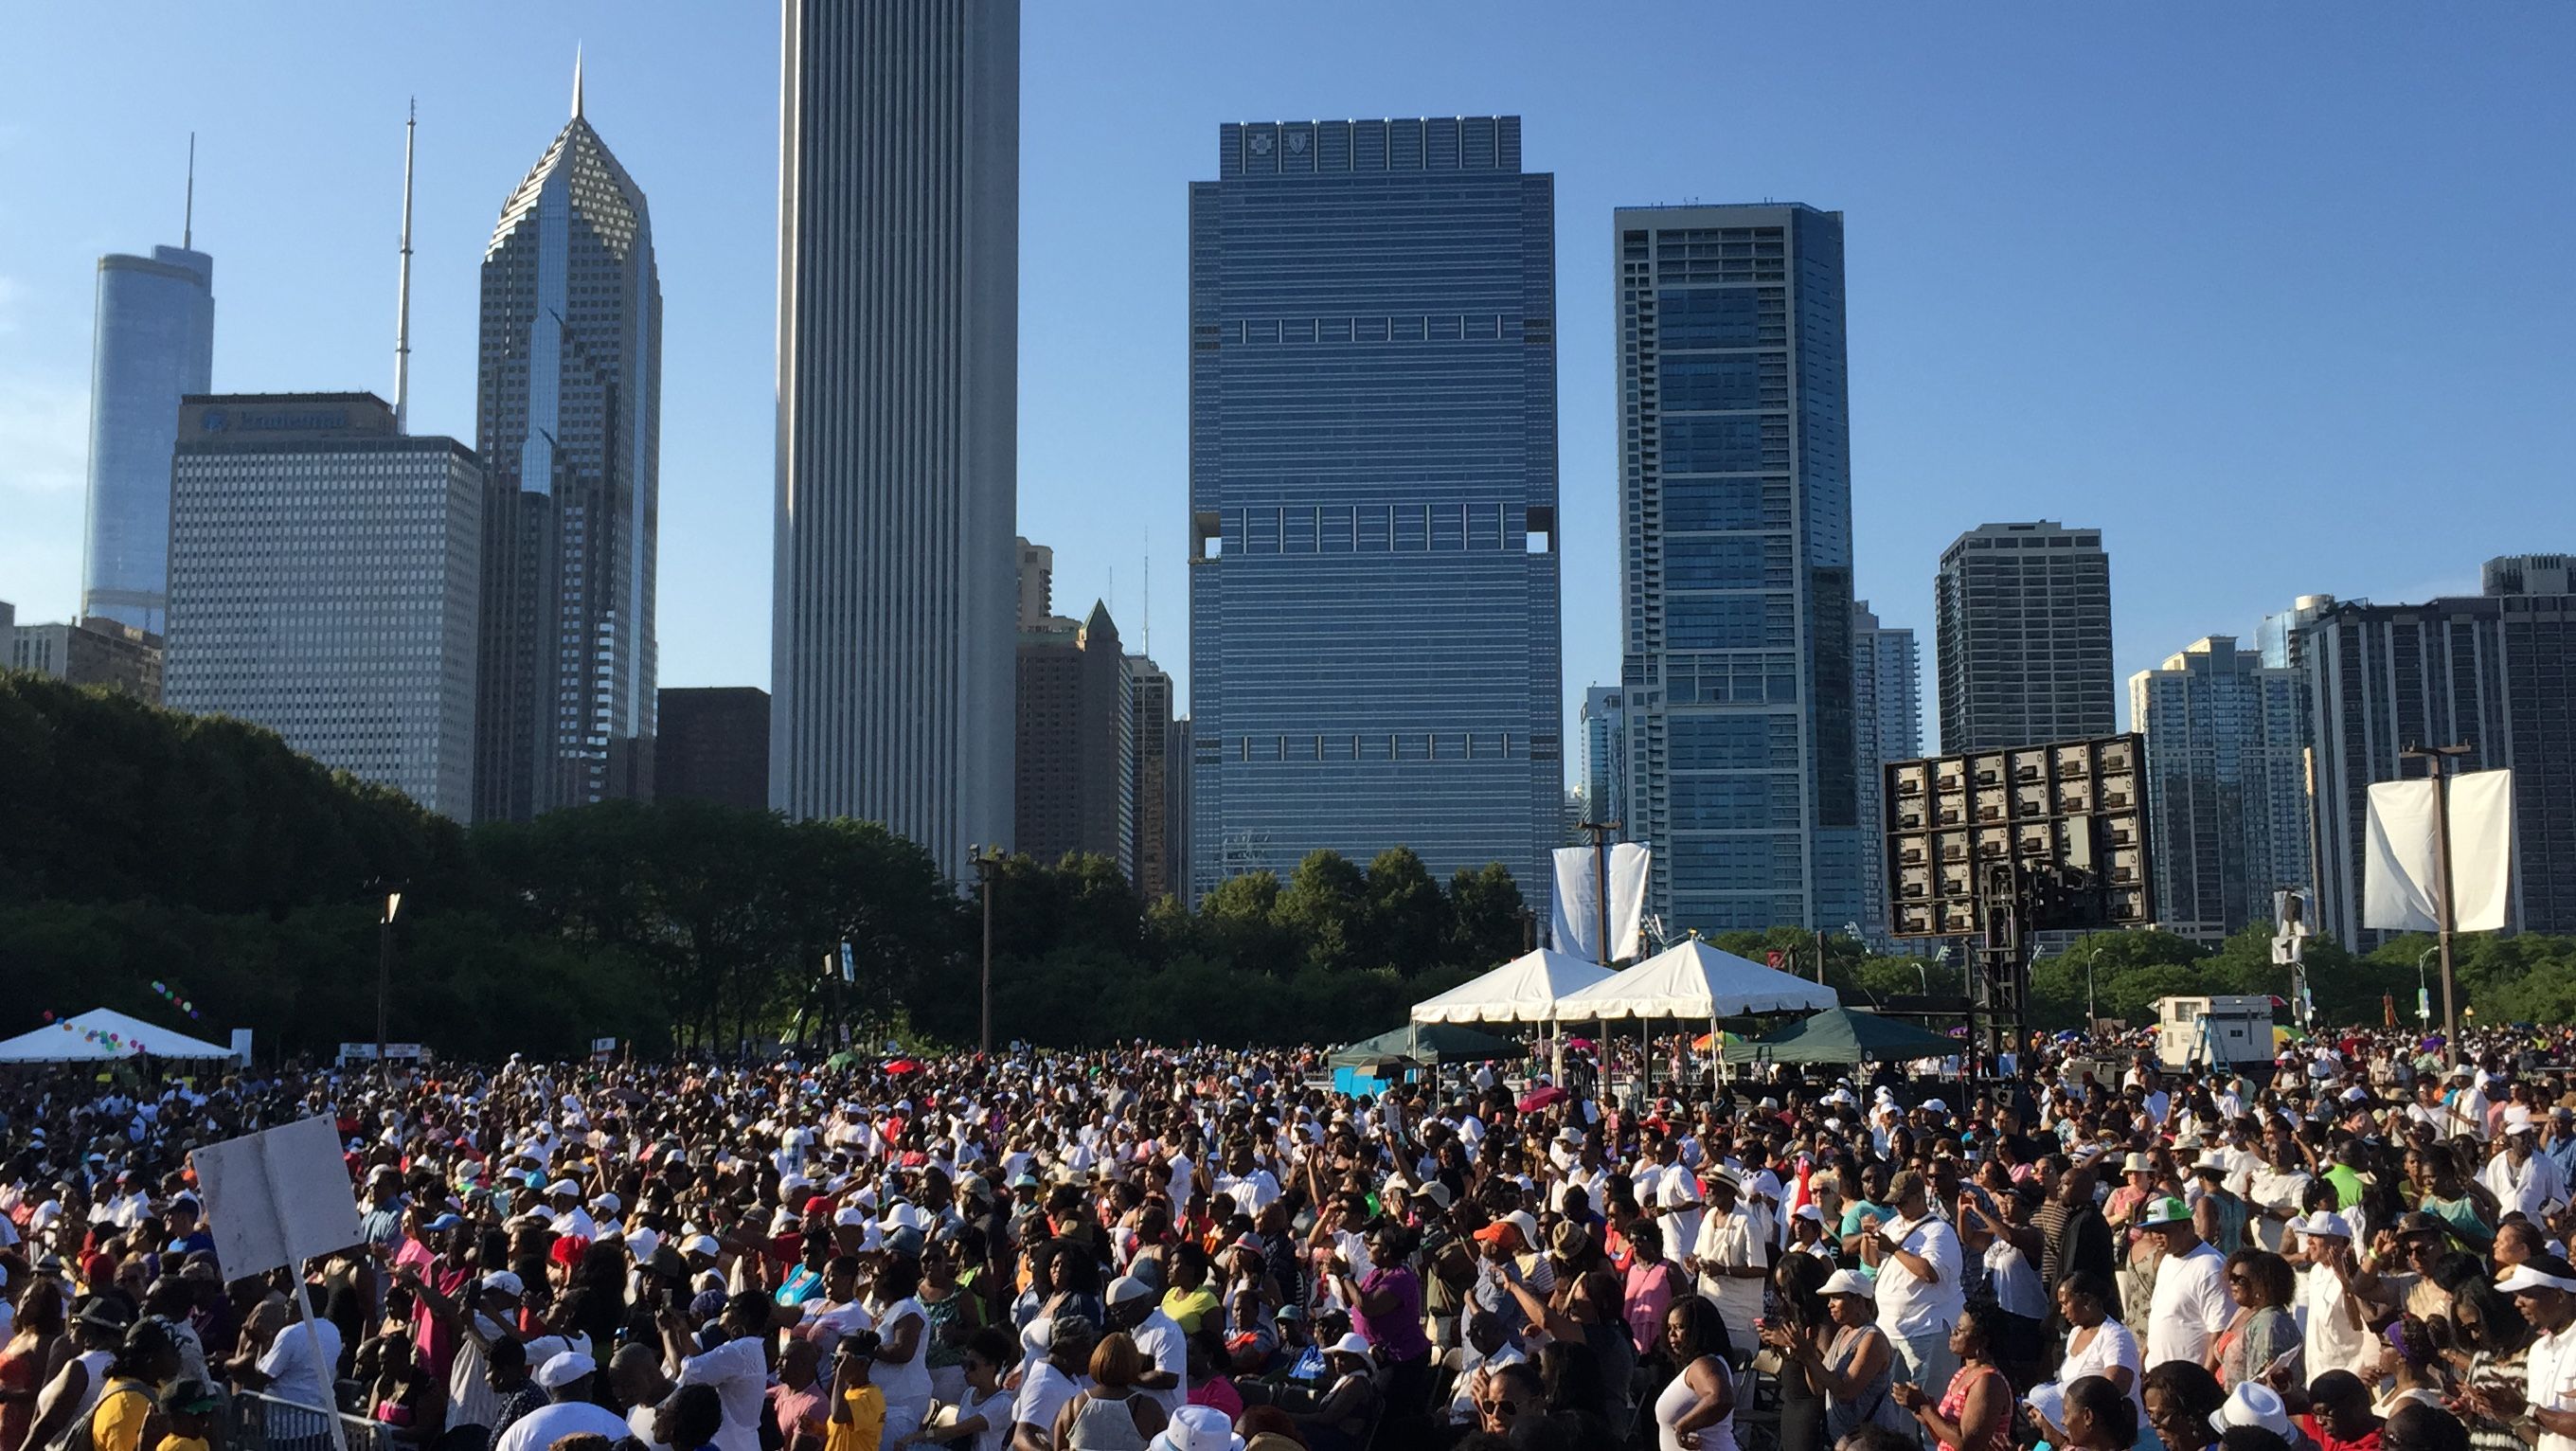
(141, 846)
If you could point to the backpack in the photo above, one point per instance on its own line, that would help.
(83, 1436)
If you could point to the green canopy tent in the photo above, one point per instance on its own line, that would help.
(1840, 1035)
(1422, 1043)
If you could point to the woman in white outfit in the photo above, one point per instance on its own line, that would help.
(898, 1369)
(1696, 1409)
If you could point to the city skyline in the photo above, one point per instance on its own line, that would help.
(1913, 483)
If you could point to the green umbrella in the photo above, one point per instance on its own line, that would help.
(1426, 1043)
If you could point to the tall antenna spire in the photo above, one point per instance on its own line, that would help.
(188, 224)
(1147, 609)
(402, 299)
(576, 80)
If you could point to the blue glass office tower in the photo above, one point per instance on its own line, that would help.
(1373, 574)
(1735, 475)
(155, 342)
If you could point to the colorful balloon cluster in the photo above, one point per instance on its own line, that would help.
(170, 995)
(113, 1040)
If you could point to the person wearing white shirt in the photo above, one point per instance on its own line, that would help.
(1136, 1309)
(1052, 1381)
(1917, 1262)
(737, 1369)
(1727, 1259)
(2543, 1408)
(569, 1411)
(1488, 1348)
(2190, 1306)
(2519, 1177)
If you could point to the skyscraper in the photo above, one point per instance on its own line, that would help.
(1735, 483)
(1373, 572)
(2495, 672)
(155, 342)
(93, 651)
(325, 583)
(898, 307)
(1075, 785)
(1036, 583)
(1887, 725)
(1605, 754)
(568, 419)
(711, 743)
(2226, 785)
(1155, 761)
(2023, 613)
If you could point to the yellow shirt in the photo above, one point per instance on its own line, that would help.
(182, 1443)
(865, 1427)
(116, 1424)
(1190, 1310)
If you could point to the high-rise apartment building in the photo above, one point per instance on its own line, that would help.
(2226, 787)
(2023, 616)
(155, 342)
(1373, 573)
(1735, 481)
(2277, 638)
(1887, 725)
(711, 743)
(93, 651)
(1605, 754)
(1153, 767)
(1075, 789)
(325, 582)
(1036, 583)
(568, 418)
(898, 316)
(2494, 672)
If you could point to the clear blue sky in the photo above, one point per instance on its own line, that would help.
(2278, 296)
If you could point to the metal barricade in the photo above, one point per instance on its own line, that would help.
(256, 1422)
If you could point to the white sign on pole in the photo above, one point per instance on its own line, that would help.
(2400, 889)
(1574, 917)
(278, 1199)
(603, 1045)
(849, 965)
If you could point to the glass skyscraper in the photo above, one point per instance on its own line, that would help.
(1735, 476)
(155, 343)
(568, 419)
(1887, 725)
(2227, 799)
(1373, 575)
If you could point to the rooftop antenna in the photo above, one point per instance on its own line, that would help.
(576, 80)
(402, 302)
(188, 222)
(1148, 606)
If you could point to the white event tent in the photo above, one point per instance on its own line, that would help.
(103, 1036)
(1526, 989)
(1694, 981)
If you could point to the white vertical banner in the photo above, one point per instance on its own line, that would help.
(1574, 919)
(2401, 890)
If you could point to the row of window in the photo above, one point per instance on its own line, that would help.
(1376, 528)
(1485, 327)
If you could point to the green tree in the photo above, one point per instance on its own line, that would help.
(1326, 906)
(1408, 919)
(1485, 918)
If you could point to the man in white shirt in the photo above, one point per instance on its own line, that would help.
(569, 1411)
(1136, 1309)
(1727, 1259)
(2331, 1318)
(737, 1369)
(2519, 1176)
(1051, 1381)
(2544, 1407)
(1917, 1261)
(2273, 1192)
(1488, 1347)
(2190, 1305)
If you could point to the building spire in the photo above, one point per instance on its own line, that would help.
(188, 221)
(576, 81)
(402, 297)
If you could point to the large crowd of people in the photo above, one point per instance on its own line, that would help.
(2356, 1247)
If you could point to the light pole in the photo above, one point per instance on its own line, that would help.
(2092, 1005)
(986, 862)
(385, 975)
(2423, 989)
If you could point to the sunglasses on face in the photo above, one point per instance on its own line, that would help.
(1503, 1408)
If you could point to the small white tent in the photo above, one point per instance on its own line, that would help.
(1523, 990)
(103, 1036)
(1694, 981)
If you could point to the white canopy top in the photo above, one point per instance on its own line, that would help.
(85, 1039)
(1523, 990)
(1693, 980)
